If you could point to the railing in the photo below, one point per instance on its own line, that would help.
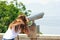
(39, 37)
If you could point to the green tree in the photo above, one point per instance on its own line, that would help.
(8, 12)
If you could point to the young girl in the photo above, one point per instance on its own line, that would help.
(17, 26)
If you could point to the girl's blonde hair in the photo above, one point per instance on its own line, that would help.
(20, 17)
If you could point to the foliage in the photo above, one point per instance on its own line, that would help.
(9, 11)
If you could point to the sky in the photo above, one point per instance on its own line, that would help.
(50, 23)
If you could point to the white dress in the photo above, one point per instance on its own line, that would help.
(10, 34)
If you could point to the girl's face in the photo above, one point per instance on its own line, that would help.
(18, 24)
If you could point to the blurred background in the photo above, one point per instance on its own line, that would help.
(50, 23)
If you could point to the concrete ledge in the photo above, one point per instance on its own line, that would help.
(39, 37)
